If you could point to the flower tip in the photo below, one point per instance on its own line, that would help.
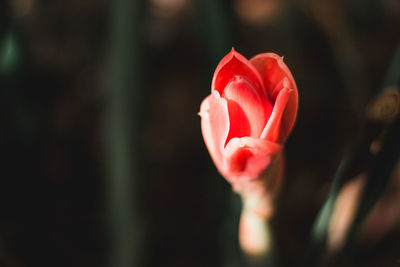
(233, 53)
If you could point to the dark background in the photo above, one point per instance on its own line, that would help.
(55, 84)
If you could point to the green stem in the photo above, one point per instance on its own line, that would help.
(123, 94)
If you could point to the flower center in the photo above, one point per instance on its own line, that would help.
(249, 108)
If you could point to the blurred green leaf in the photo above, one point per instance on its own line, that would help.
(378, 178)
(123, 84)
(9, 54)
(386, 159)
(376, 181)
(319, 230)
(392, 78)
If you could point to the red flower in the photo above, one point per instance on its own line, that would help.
(249, 114)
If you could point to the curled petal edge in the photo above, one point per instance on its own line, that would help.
(271, 131)
(215, 126)
(289, 117)
(248, 158)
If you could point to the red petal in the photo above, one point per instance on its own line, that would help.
(248, 158)
(215, 126)
(231, 65)
(248, 110)
(276, 76)
(273, 130)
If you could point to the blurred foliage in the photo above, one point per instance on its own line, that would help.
(9, 55)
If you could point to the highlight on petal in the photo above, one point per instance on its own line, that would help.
(277, 76)
(248, 110)
(231, 65)
(248, 158)
(215, 126)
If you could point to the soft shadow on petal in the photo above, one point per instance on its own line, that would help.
(254, 109)
(239, 122)
(215, 126)
(248, 158)
(235, 64)
(276, 76)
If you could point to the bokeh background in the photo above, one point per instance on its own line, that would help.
(102, 162)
